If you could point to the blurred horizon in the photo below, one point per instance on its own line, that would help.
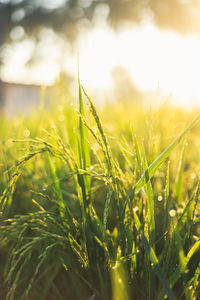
(138, 58)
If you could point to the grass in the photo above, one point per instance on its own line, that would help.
(100, 204)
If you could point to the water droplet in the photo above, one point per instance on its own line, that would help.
(26, 133)
(172, 213)
(135, 208)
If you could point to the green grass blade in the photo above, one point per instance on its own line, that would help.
(83, 179)
(119, 279)
(151, 225)
(195, 282)
(180, 270)
(152, 256)
(166, 198)
(180, 174)
(84, 148)
(150, 204)
(57, 186)
(174, 236)
(161, 158)
(139, 161)
(106, 238)
(107, 152)
(106, 207)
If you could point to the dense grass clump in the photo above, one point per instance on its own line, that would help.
(95, 209)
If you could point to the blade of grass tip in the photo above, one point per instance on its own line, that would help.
(110, 163)
(180, 174)
(111, 168)
(108, 154)
(83, 144)
(161, 158)
(85, 180)
(81, 186)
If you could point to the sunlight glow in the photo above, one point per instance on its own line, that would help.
(152, 57)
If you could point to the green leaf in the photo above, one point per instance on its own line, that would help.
(160, 159)
(152, 256)
(84, 149)
(180, 174)
(150, 204)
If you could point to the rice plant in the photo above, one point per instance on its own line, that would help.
(87, 215)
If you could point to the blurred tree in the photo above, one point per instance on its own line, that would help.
(20, 17)
(63, 15)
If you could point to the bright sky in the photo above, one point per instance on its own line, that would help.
(152, 57)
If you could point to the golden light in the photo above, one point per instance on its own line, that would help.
(151, 56)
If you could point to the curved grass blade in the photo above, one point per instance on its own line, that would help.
(176, 275)
(160, 159)
(84, 149)
(180, 174)
(107, 152)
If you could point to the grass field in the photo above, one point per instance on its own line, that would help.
(100, 203)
